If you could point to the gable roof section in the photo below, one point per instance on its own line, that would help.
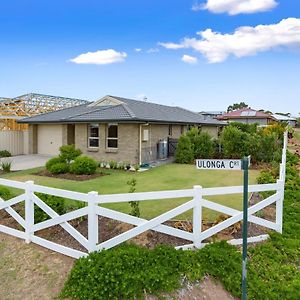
(245, 113)
(117, 109)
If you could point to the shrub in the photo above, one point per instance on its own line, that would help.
(6, 166)
(60, 168)
(5, 193)
(184, 152)
(233, 142)
(135, 206)
(83, 165)
(128, 271)
(56, 203)
(53, 161)
(113, 165)
(69, 153)
(203, 146)
(249, 128)
(5, 153)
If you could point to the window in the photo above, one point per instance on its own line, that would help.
(93, 141)
(112, 136)
(170, 129)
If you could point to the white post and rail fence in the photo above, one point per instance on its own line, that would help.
(93, 210)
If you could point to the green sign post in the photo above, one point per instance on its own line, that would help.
(245, 167)
(234, 164)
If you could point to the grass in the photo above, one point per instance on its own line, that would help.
(297, 134)
(167, 177)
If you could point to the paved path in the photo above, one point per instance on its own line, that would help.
(25, 162)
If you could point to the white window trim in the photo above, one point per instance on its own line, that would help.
(110, 138)
(92, 137)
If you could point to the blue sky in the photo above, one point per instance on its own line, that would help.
(38, 40)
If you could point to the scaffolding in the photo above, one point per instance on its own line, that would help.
(28, 105)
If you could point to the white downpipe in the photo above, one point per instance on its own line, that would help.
(140, 146)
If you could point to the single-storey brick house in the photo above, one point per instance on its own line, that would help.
(113, 128)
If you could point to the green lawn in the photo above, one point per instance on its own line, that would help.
(167, 177)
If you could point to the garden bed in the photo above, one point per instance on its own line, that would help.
(70, 176)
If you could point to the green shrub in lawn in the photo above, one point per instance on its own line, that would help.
(69, 153)
(5, 153)
(83, 165)
(127, 271)
(53, 161)
(60, 168)
(5, 193)
(56, 203)
(203, 146)
(5, 165)
(184, 153)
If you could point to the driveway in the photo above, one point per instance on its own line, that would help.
(25, 162)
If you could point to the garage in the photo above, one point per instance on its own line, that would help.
(49, 139)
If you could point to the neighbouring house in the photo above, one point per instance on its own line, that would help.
(14, 136)
(212, 114)
(285, 119)
(115, 128)
(247, 115)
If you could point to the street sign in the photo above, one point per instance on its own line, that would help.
(219, 164)
(234, 164)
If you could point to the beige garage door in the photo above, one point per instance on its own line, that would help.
(49, 139)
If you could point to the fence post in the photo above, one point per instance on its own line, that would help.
(93, 234)
(29, 210)
(279, 205)
(197, 215)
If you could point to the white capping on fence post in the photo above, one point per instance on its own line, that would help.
(93, 235)
(29, 210)
(279, 205)
(197, 215)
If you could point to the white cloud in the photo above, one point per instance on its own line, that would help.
(189, 59)
(153, 50)
(137, 49)
(171, 45)
(234, 7)
(101, 57)
(244, 41)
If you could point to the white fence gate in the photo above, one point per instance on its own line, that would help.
(93, 210)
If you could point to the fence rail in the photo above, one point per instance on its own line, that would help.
(94, 209)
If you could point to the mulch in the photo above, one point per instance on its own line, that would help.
(70, 176)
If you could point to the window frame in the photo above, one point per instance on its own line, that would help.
(112, 138)
(95, 125)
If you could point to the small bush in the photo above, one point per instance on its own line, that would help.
(5, 193)
(53, 161)
(5, 153)
(56, 203)
(69, 153)
(203, 146)
(60, 168)
(6, 166)
(184, 152)
(83, 165)
(113, 165)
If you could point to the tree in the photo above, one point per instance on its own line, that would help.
(236, 106)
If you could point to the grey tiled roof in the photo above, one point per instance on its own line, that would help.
(127, 111)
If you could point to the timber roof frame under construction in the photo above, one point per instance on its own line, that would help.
(29, 105)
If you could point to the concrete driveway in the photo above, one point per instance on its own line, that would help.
(25, 162)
